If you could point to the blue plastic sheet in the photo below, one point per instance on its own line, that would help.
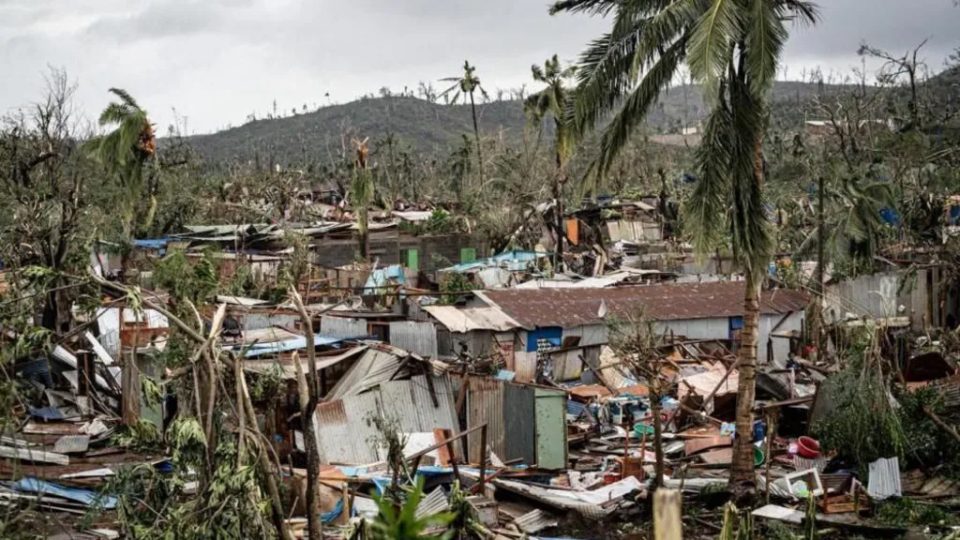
(84, 496)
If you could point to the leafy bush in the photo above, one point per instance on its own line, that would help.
(864, 424)
(403, 524)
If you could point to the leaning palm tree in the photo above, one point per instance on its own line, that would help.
(125, 150)
(553, 100)
(732, 48)
(464, 87)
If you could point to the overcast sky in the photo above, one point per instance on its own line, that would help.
(216, 61)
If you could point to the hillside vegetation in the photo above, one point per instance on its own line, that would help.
(434, 128)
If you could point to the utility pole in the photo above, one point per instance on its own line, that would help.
(818, 338)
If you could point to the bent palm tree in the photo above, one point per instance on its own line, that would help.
(465, 86)
(361, 195)
(732, 48)
(126, 149)
(554, 100)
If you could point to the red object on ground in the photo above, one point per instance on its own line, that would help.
(808, 447)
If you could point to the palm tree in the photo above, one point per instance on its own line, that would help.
(126, 149)
(553, 100)
(361, 195)
(465, 86)
(732, 48)
(853, 219)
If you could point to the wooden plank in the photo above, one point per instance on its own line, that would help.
(723, 456)
(28, 454)
(71, 444)
(666, 515)
(694, 446)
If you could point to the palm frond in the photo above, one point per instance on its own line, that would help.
(125, 97)
(712, 40)
(750, 229)
(609, 68)
(635, 108)
(705, 215)
(593, 7)
(765, 36)
(804, 11)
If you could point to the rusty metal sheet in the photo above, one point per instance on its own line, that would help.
(569, 307)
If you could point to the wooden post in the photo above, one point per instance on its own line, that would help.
(666, 515)
(771, 432)
(483, 458)
(85, 376)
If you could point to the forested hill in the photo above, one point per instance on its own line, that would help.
(434, 128)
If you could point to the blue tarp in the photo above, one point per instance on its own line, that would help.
(83, 496)
(293, 344)
(381, 278)
(159, 244)
(328, 517)
(46, 413)
(511, 260)
(890, 216)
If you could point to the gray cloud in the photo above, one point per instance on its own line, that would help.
(215, 61)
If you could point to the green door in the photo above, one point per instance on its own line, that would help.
(468, 255)
(551, 412)
(413, 259)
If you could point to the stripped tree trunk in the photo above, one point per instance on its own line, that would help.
(315, 524)
(741, 474)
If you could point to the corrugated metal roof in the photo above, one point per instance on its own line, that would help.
(374, 367)
(467, 319)
(433, 504)
(292, 344)
(535, 521)
(575, 307)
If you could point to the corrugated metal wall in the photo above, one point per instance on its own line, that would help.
(344, 434)
(520, 424)
(257, 321)
(416, 337)
(342, 327)
(881, 295)
(485, 405)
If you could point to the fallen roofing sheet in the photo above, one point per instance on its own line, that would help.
(589, 504)
(289, 369)
(468, 319)
(516, 260)
(345, 433)
(291, 344)
(379, 363)
(575, 307)
(83, 496)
